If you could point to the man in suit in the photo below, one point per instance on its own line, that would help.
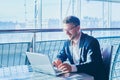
(81, 50)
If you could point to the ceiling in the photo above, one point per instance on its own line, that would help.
(114, 1)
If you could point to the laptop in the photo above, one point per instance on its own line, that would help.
(41, 63)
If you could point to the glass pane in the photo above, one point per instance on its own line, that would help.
(16, 14)
(115, 18)
(91, 14)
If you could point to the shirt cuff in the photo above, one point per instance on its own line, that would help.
(74, 68)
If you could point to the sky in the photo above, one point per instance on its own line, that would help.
(14, 10)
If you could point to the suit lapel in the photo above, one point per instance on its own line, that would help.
(81, 44)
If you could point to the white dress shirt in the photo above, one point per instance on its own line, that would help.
(75, 52)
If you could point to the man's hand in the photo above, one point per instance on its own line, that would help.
(57, 62)
(65, 67)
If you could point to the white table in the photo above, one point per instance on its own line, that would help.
(25, 73)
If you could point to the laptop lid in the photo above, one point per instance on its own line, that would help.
(41, 63)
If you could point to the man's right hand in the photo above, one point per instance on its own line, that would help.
(57, 62)
(64, 67)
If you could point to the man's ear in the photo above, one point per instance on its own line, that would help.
(78, 28)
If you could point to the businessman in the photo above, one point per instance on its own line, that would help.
(81, 50)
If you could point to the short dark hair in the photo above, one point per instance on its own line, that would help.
(72, 19)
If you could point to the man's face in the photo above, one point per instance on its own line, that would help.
(71, 30)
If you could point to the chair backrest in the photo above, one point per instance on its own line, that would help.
(107, 57)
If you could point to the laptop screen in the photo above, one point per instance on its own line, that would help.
(40, 63)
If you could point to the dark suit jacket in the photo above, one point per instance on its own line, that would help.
(90, 57)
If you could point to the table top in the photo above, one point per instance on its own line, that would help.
(24, 72)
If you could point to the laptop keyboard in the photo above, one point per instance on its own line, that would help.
(57, 71)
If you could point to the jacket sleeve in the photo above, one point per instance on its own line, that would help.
(62, 54)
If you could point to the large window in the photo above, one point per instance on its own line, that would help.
(48, 14)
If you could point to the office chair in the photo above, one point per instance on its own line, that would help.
(107, 57)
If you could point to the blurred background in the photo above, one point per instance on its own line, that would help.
(37, 25)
